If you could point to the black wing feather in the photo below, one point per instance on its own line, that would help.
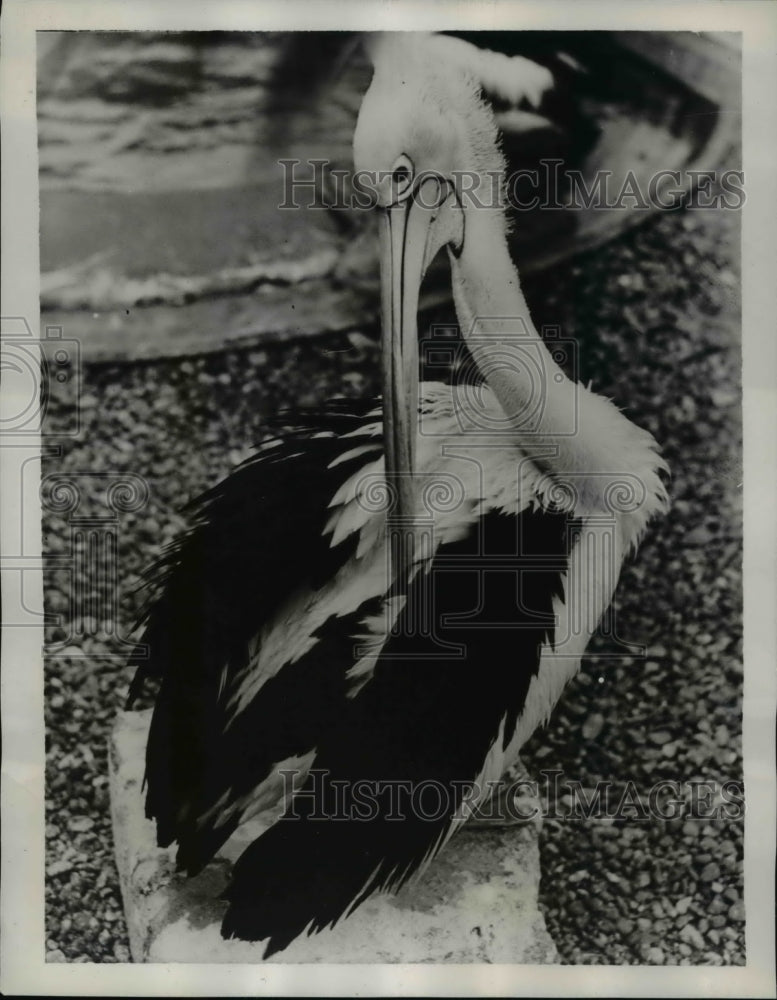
(256, 537)
(427, 715)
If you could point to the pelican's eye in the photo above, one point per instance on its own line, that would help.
(401, 177)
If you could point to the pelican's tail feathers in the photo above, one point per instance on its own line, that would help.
(310, 870)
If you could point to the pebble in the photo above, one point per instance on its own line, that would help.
(710, 872)
(592, 727)
(58, 868)
(80, 824)
(692, 936)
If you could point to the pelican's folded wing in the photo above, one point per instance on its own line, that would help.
(422, 737)
(220, 623)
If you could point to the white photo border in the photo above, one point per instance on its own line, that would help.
(22, 940)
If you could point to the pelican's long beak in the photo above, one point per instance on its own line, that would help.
(405, 243)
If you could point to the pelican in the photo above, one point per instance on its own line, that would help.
(388, 598)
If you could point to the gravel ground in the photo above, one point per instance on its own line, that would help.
(657, 319)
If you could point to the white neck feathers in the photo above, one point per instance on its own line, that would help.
(597, 460)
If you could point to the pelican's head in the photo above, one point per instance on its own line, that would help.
(423, 118)
(423, 139)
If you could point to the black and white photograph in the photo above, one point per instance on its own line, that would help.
(386, 566)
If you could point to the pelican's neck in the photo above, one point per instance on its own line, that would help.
(575, 435)
(531, 387)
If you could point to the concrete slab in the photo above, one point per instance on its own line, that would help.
(476, 903)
